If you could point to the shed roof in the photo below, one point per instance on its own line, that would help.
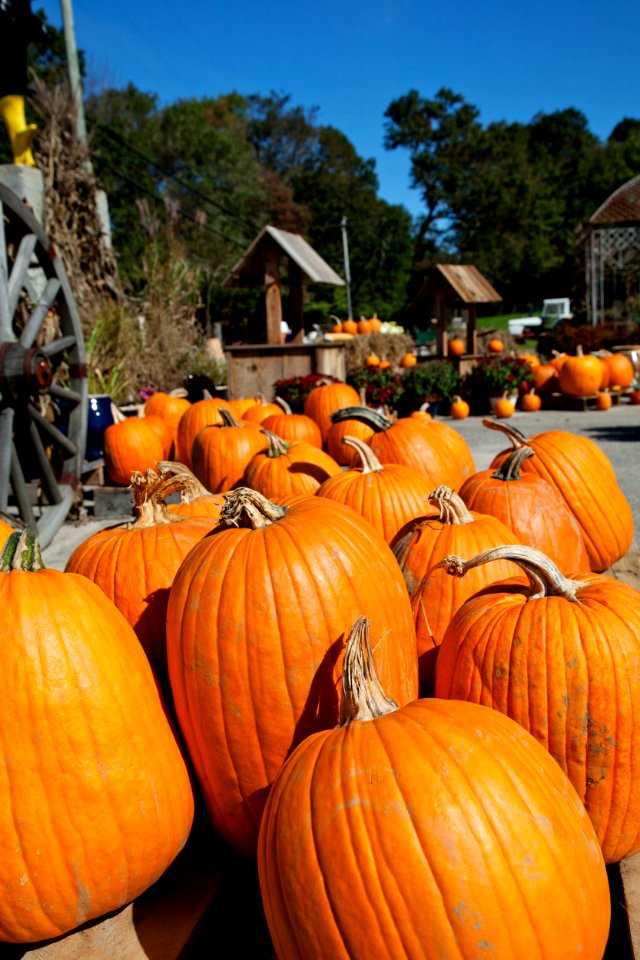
(466, 281)
(250, 269)
(622, 206)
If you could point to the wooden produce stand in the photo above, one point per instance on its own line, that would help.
(253, 367)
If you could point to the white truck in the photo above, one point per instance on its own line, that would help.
(554, 311)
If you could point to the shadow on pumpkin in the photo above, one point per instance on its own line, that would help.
(151, 632)
(322, 708)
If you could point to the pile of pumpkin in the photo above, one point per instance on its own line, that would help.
(406, 686)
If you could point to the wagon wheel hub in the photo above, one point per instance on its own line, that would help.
(24, 372)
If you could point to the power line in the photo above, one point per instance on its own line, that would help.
(118, 138)
(154, 196)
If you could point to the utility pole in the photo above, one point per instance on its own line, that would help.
(73, 68)
(347, 271)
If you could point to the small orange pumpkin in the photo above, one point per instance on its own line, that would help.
(409, 360)
(459, 409)
(456, 347)
(634, 397)
(350, 326)
(376, 323)
(621, 372)
(530, 402)
(580, 376)
(495, 345)
(385, 364)
(503, 408)
(373, 360)
(129, 445)
(603, 400)
(364, 325)
(545, 378)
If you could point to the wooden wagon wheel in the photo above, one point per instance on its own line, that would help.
(43, 378)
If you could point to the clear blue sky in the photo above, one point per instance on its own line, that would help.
(352, 59)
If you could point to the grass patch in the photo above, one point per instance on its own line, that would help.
(501, 321)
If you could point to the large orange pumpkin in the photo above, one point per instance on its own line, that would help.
(261, 410)
(134, 563)
(5, 532)
(293, 426)
(583, 476)
(545, 378)
(434, 448)
(435, 597)
(129, 445)
(325, 399)
(163, 430)
(562, 658)
(437, 830)
(257, 619)
(621, 370)
(387, 496)
(580, 376)
(200, 414)
(284, 469)
(168, 408)
(95, 799)
(220, 453)
(531, 508)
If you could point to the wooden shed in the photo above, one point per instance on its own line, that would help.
(253, 368)
(451, 289)
(262, 266)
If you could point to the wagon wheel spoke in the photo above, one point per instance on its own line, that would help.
(63, 393)
(56, 435)
(39, 312)
(6, 443)
(6, 326)
(21, 492)
(46, 472)
(59, 345)
(19, 270)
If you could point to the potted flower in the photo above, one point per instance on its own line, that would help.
(496, 377)
(379, 387)
(435, 382)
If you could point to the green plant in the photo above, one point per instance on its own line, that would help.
(382, 388)
(498, 375)
(432, 381)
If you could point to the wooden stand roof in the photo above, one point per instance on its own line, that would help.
(260, 266)
(452, 285)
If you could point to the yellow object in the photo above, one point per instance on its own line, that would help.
(20, 132)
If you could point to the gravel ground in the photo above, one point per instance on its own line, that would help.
(617, 431)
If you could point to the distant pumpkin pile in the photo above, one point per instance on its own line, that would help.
(404, 685)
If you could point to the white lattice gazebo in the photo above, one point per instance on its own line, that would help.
(613, 257)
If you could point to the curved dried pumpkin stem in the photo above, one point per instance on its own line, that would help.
(510, 469)
(21, 552)
(150, 490)
(512, 433)
(277, 446)
(544, 577)
(245, 507)
(228, 419)
(283, 403)
(192, 488)
(365, 414)
(362, 696)
(368, 459)
(451, 506)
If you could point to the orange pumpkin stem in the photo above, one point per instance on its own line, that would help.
(283, 403)
(277, 446)
(516, 437)
(370, 463)
(510, 469)
(544, 577)
(21, 552)
(150, 490)
(191, 488)
(376, 420)
(245, 507)
(452, 508)
(362, 696)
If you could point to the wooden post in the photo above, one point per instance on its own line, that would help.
(296, 303)
(273, 297)
(472, 331)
